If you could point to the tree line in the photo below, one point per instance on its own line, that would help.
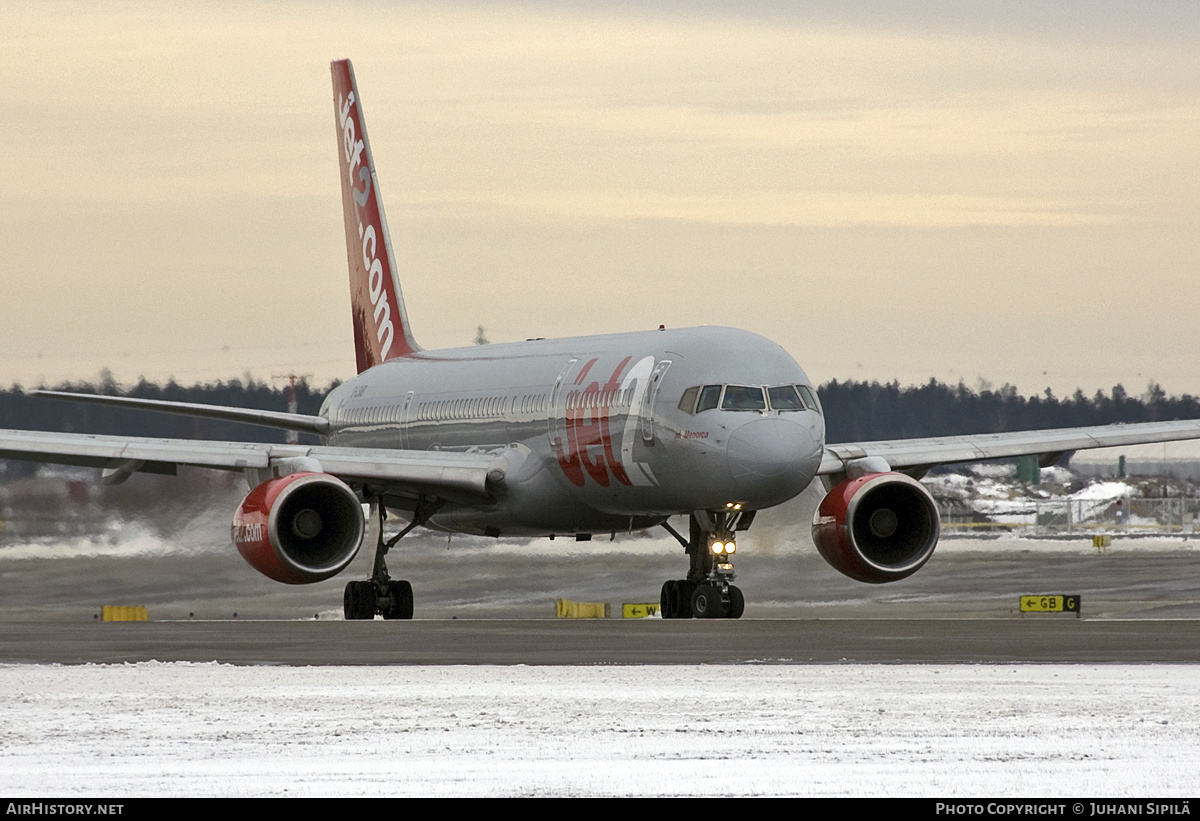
(20, 410)
(864, 411)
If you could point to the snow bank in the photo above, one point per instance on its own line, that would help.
(214, 730)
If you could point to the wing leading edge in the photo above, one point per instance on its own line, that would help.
(918, 455)
(249, 416)
(442, 473)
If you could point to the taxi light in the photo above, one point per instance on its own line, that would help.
(718, 548)
(730, 547)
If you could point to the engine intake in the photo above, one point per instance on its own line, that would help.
(881, 527)
(300, 528)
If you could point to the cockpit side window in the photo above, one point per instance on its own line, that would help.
(785, 398)
(710, 396)
(810, 398)
(742, 397)
(688, 403)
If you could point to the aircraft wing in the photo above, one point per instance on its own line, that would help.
(918, 455)
(442, 473)
(250, 416)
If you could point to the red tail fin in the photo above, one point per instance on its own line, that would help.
(381, 329)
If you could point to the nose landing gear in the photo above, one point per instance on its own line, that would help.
(707, 592)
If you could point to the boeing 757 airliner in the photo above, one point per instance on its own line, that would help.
(567, 437)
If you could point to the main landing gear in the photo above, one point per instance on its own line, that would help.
(381, 594)
(707, 592)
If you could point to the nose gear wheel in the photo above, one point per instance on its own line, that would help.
(706, 593)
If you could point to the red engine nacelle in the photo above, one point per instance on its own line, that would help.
(301, 528)
(877, 528)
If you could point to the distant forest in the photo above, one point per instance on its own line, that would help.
(21, 411)
(863, 411)
(854, 411)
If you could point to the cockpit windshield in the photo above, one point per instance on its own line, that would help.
(783, 398)
(710, 397)
(740, 397)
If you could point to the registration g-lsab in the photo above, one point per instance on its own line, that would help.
(568, 437)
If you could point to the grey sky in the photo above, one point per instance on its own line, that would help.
(1005, 191)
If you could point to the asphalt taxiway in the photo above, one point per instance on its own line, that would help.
(606, 642)
(480, 602)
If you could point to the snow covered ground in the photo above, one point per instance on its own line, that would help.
(208, 729)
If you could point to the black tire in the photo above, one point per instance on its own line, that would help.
(684, 590)
(737, 603)
(706, 603)
(358, 602)
(367, 601)
(401, 594)
(666, 600)
(675, 599)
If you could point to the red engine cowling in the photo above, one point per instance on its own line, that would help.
(300, 528)
(877, 528)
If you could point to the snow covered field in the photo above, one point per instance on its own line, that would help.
(208, 729)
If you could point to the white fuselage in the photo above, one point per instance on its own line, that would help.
(591, 428)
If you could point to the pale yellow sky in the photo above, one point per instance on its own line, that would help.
(957, 195)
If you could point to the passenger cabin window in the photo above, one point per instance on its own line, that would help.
(743, 398)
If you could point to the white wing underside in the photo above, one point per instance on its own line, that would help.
(943, 450)
(456, 474)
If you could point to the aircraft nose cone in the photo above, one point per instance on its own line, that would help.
(773, 455)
